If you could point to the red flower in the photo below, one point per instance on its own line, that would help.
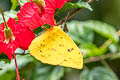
(18, 36)
(33, 16)
(7, 48)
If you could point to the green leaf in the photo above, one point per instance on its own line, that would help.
(80, 34)
(70, 5)
(113, 48)
(4, 58)
(97, 73)
(9, 75)
(84, 74)
(92, 50)
(14, 4)
(47, 72)
(101, 28)
(8, 14)
(102, 73)
(57, 73)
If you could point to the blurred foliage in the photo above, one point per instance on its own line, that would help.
(87, 34)
(97, 73)
(102, 29)
(70, 5)
(47, 72)
(15, 3)
(82, 32)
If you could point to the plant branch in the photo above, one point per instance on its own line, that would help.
(109, 41)
(69, 16)
(99, 58)
(72, 14)
(105, 45)
(2, 12)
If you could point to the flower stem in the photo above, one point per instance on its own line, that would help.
(17, 71)
(71, 14)
(2, 12)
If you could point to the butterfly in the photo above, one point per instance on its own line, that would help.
(55, 47)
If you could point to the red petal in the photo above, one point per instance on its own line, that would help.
(30, 15)
(1, 49)
(2, 38)
(23, 35)
(25, 38)
(12, 24)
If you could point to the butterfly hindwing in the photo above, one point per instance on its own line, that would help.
(55, 47)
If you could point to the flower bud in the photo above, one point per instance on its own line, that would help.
(8, 35)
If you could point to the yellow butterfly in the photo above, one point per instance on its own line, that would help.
(55, 47)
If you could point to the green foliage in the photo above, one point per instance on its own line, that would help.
(47, 72)
(90, 50)
(14, 4)
(113, 47)
(101, 28)
(97, 73)
(41, 72)
(4, 67)
(82, 32)
(57, 73)
(70, 5)
(116, 56)
(21, 60)
(39, 30)
(3, 57)
(84, 75)
(9, 75)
